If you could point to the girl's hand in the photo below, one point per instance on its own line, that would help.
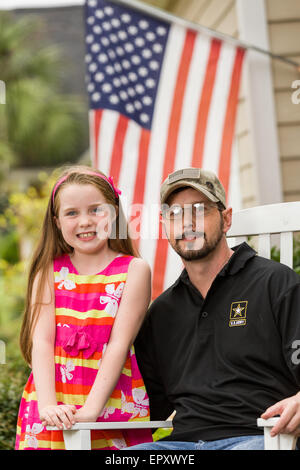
(58, 415)
(84, 415)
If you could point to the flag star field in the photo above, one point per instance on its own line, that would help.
(124, 57)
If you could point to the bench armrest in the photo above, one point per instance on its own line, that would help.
(78, 437)
(279, 442)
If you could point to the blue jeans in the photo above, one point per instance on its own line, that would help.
(232, 443)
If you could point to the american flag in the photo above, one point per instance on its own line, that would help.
(162, 97)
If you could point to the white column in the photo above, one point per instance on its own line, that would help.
(259, 91)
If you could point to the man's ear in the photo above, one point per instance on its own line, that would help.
(227, 218)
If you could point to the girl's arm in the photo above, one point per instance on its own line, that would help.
(132, 309)
(43, 365)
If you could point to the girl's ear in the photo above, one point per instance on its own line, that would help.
(57, 222)
(115, 213)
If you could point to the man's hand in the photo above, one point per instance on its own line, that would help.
(289, 411)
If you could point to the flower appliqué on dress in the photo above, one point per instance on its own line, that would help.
(119, 443)
(140, 405)
(66, 371)
(112, 298)
(62, 277)
(107, 411)
(31, 433)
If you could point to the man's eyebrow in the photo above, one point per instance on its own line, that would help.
(189, 203)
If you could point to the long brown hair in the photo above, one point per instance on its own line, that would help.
(51, 245)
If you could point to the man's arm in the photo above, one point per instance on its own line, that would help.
(288, 319)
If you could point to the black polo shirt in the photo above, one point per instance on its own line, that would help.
(221, 361)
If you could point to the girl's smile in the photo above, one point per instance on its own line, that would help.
(87, 236)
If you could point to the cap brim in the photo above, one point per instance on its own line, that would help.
(197, 187)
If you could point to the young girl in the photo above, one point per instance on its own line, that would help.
(87, 296)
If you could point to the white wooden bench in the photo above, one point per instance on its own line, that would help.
(263, 221)
(282, 219)
(79, 436)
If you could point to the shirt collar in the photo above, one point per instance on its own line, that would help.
(242, 253)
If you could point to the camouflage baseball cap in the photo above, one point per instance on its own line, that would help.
(202, 180)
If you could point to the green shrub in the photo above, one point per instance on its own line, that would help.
(13, 377)
(12, 291)
(275, 254)
(14, 373)
(9, 247)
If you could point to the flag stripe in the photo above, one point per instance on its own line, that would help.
(130, 161)
(92, 137)
(229, 125)
(205, 102)
(216, 116)
(140, 180)
(178, 103)
(188, 124)
(97, 122)
(174, 123)
(117, 153)
(142, 166)
(107, 136)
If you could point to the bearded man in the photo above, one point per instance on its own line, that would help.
(218, 346)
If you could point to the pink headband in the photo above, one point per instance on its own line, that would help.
(109, 180)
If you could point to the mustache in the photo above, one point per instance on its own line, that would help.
(190, 233)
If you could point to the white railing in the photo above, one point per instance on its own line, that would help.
(78, 437)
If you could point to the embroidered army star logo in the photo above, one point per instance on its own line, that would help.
(238, 312)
